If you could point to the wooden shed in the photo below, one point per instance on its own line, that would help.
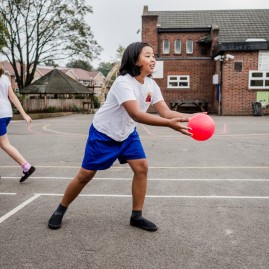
(56, 91)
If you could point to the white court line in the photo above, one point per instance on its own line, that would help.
(18, 208)
(163, 196)
(151, 167)
(154, 179)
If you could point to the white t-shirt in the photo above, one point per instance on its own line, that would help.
(5, 105)
(112, 119)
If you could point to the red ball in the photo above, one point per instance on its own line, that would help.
(202, 127)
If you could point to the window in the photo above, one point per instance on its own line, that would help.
(177, 46)
(166, 46)
(258, 79)
(189, 46)
(178, 82)
(238, 66)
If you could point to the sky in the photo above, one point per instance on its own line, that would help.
(116, 22)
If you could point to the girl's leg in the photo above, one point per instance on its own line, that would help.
(139, 184)
(72, 191)
(76, 185)
(10, 150)
(28, 169)
(139, 188)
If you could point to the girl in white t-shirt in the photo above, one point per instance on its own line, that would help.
(113, 133)
(7, 95)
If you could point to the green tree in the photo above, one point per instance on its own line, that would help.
(51, 62)
(85, 65)
(44, 30)
(119, 53)
(105, 67)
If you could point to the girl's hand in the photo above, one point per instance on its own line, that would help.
(27, 118)
(177, 126)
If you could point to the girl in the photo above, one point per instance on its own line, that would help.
(113, 132)
(7, 95)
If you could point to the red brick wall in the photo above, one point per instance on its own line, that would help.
(200, 72)
(236, 97)
(183, 37)
(149, 31)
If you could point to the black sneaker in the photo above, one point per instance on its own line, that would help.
(27, 174)
(55, 221)
(143, 224)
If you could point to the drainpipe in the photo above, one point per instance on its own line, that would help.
(220, 58)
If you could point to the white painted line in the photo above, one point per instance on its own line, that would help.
(8, 193)
(154, 179)
(151, 167)
(19, 207)
(164, 196)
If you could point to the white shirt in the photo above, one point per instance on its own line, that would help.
(112, 119)
(5, 105)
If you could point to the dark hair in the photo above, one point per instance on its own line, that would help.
(130, 57)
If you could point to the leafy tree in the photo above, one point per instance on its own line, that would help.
(44, 30)
(51, 63)
(105, 67)
(119, 53)
(85, 65)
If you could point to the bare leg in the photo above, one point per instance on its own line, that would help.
(76, 185)
(139, 185)
(72, 191)
(139, 188)
(10, 150)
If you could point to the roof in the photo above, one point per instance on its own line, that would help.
(78, 72)
(234, 25)
(55, 82)
(9, 69)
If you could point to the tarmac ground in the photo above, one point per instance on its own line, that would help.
(209, 199)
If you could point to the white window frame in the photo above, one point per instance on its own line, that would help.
(263, 79)
(189, 49)
(166, 49)
(175, 46)
(178, 81)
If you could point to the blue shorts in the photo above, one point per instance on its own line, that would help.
(3, 125)
(102, 151)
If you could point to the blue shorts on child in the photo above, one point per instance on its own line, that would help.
(3, 125)
(102, 151)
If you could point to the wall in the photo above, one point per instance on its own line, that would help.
(201, 87)
(236, 97)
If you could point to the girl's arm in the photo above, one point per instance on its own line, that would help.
(165, 112)
(137, 115)
(14, 99)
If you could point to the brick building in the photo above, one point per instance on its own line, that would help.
(215, 60)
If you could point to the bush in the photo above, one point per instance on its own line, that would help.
(96, 102)
(52, 109)
(75, 108)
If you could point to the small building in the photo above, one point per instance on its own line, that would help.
(213, 60)
(92, 79)
(57, 91)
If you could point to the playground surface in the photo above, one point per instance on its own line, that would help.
(209, 199)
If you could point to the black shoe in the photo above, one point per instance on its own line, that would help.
(143, 224)
(55, 221)
(27, 174)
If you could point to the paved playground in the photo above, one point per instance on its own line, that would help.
(209, 199)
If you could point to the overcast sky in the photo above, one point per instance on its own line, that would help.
(116, 22)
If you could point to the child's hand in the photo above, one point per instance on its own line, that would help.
(177, 126)
(27, 118)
